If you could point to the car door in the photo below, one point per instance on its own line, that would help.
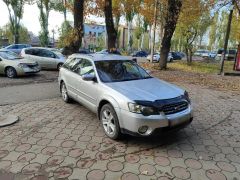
(88, 90)
(48, 59)
(71, 76)
(1, 65)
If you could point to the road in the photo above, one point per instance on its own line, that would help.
(29, 92)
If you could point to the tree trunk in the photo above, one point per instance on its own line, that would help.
(142, 40)
(174, 7)
(16, 34)
(111, 31)
(78, 28)
(150, 37)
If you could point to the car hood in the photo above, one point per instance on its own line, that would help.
(147, 89)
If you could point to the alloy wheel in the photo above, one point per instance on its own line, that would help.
(108, 122)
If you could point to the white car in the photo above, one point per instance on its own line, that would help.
(156, 57)
(46, 58)
(124, 96)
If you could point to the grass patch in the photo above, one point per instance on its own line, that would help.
(201, 66)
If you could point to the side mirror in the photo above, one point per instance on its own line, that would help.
(0, 59)
(88, 77)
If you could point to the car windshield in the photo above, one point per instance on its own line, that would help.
(9, 55)
(120, 70)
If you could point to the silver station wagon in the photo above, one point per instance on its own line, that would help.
(125, 97)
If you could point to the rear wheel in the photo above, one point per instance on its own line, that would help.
(110, 122)
(59, 66)
(64, 93)
(11, 72)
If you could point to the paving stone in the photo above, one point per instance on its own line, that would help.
(215, 175)
(129, 176)
(115, 166)
(75, 153)
(26, 157)
(68, 144)
(174, 153)
(62, 172)
(3, 153)
(31, 168)
(49, 150)
(95, 174)
(147, 169)
(132, 158)
(181, 172)
(55, 160)
(162, 161)
(85, 163)
(226, 166)
(193, 163)
(13, 156)
(4, 165)
(23, 147)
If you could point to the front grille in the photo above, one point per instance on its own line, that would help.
(174, 107)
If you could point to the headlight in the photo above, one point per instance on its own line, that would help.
(21, 65)
(144, 110)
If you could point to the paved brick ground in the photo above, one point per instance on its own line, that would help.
(57, 140)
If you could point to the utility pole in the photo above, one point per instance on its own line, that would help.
(227, 37)
(154, 30)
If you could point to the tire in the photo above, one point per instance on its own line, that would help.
(109, 121)
(59, 66)
(64, 93)
(11, 72)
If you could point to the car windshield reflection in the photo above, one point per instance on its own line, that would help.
(117, 71)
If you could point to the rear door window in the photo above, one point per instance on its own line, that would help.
(46, 53)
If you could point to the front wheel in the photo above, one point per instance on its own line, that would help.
(11, 72)
(109, 122)
(64, 93)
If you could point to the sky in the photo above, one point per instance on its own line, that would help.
(31, 18)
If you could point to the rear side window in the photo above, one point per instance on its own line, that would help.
(34, 52)
(29, 51)
(46, 53)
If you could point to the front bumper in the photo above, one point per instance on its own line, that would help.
(24, 71)
(131, 122)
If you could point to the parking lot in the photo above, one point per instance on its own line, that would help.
(54, 140)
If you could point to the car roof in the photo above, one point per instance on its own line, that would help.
(101, 57)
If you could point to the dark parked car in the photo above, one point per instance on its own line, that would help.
(140, 54)
(17, 48)
(84, 51)
(106, 51)
(176, 56)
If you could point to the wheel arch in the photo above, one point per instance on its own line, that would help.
(107, 100)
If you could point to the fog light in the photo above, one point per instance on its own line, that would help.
(143, 129)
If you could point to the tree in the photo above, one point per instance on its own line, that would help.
(191, 27)
(23, 33)
(15, 10)
(44, 7)
(75, 36)
(173, 11)
(213, 30)
(111, 31)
